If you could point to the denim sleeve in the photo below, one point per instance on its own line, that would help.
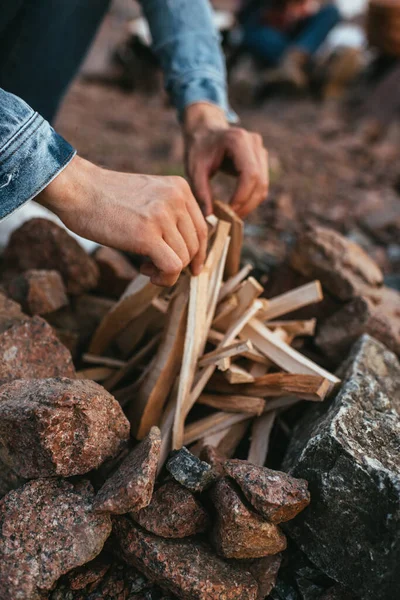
(32, 154)
(188, 47)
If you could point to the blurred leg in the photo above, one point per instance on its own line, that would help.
(315, 29)
(265, 43)
(42, 45)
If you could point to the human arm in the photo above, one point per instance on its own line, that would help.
(154, 216)
(187, 45)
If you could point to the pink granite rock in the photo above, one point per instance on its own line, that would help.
(275, 495)
(173, 512)
(130, 488)
(240, 532)
(186, 568)
(30, 349)
(47, 528)
(265, 571)
(39, 292)
(58, 426)
(42, 244)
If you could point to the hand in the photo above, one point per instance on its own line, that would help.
(157, 217)
(211, 144)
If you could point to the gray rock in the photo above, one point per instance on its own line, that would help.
(190, 471)
(349, 451)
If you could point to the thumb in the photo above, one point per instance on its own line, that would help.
(201, 186)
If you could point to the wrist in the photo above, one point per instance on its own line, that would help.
(203, 116)
(69, 189)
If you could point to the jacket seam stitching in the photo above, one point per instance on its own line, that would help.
(31, 133)
(21, 131)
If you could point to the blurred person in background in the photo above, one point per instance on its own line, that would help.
(285, 35)
(42, 45)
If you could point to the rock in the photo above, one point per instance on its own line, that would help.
(92, 572)
(173, 513)
(186, 568)
(116, 272)
(42, 244)
(378, 317)
(8, 480)
(275, 495)
(344, 269)
(240, 532)
(130, 488)
(211, 456)
(10, 311)
(47, 528)
(58, 426)
(38, 292)
(190, 471)
(264, 571)
(30, 349)
(350, 453)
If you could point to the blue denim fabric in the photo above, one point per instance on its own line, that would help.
(41, 47)
(269, 44)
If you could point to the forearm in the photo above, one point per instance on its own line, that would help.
(31, 153)
(187, 45)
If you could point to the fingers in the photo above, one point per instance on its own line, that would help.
(200, 180)
(167, 265)
(251, 162)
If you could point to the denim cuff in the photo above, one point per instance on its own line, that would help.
(203, 89)
(29, 161)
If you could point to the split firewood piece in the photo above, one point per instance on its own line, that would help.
(132, 363)
(281, 353)
(128, 393)
(166, 425)
(196, 322)
(151, 321)
(230, 351)
(98, 374)
(311, 293)
(133, 302)
(236, 404)
(215, 265)
(146, 408)
(224, 310)
(215, 337)
(235, 329)
(295, 328)
(281, 404)
(248, 291)
(227, 440)
(223, 364)
(260, 436)
(236, 375)
(230, 286)
(212, 222)
(226, 213)
(258, 369)
(211, 424)
(307, 387)
(104, 361)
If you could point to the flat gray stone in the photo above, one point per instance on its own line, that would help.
(349, 452)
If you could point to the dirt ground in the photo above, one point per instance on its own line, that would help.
(321, 168)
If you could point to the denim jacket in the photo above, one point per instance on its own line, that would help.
(32, 154)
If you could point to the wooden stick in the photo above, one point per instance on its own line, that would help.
(225, 212)
(150, 321)
(235, 349)
(230, 286)
(211, 424)
(236, 404)
(260, 436)
(280, 404)
(134, 301)
(95, 373)
(236, 328)
(281, 353)
(104, 361)
(133, 362)
(196, 322)
(295, 328)
(215, 337)
(227, 440)
(273, 385)
(235, 375)
(224, 310)
(146, 410)
(310, 293)
(246, 294)
(215, 265)
(223, 364)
